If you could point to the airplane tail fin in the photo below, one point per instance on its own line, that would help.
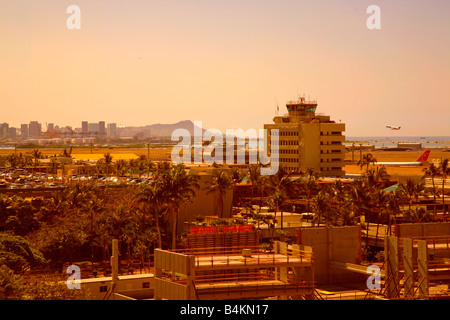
(424, 156)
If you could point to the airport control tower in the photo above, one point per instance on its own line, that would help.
(309, 140)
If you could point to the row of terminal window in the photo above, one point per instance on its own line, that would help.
(296, 133)
(288, 151)
(286, 142)
(332, 133)
(285, 133)
(288, 160)
(332, 160)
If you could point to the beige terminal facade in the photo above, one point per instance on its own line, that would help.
(308, 140)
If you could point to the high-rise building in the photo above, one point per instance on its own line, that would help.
(4, 130)
(93, 128)
(112, 130)
(12, 133)
(24, 131)
(309, 140)
(34, 129)
(101, 128)
(84, 127)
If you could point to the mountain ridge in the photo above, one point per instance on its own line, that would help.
(157, 129)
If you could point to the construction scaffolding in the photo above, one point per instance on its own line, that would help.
(408, 270)
(234, 273)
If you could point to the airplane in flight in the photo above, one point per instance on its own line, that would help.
(423, 158)
(393, 128)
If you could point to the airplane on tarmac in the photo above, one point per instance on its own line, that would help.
(418, 162)
(393, 128)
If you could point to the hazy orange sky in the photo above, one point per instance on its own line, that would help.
(227, 63)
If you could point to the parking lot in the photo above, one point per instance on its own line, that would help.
(11, 178)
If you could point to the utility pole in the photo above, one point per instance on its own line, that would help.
(115, 264)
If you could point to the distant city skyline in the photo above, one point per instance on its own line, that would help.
(228, 64)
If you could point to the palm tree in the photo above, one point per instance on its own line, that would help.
(120, 166)
(132, 165)
(151, 167)
(366, 160)
(145, 165)
(53, 165)
(220, 183)
(432, 171)
(419, 215)
(381, 204)
(373, 176)
(67, 153)
(13, 160)
(358, 203)
(280, 187)
(254, 177)
(276, 200)
(107, 160)
(92, 205)
(282, 180)
(179, 187)
(310, 185)
(393, 206)
(412, 191)
(235, 175)
(444, 171)
(321, 206)
(153, 195)
(36, 154)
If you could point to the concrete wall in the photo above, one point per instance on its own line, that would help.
(341, 244)
(99, 287)
(204, 203)
(431, 229)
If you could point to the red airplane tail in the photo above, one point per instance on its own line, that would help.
(424, 156)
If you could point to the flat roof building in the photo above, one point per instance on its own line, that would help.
(111, 130)
(24, 131)
(34, 129)
(308, 140)
(84, 128)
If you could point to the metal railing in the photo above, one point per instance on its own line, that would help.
(246, 255)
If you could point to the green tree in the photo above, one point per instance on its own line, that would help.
(418, 215)
(179, 187)
(280, 187)
(154, 196)
(276, 200)
(221, 182)
(60, 240)
(412, 191)
(18, 254)
(322, 207)
(366, 160)
(254, 177)
(432, 172)
(13, 160)
(310, 186)
(373, 177)
(36, 154)
(444, 172)
(18, 215)
(107, 162)
(120, 167)
(11, 284)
